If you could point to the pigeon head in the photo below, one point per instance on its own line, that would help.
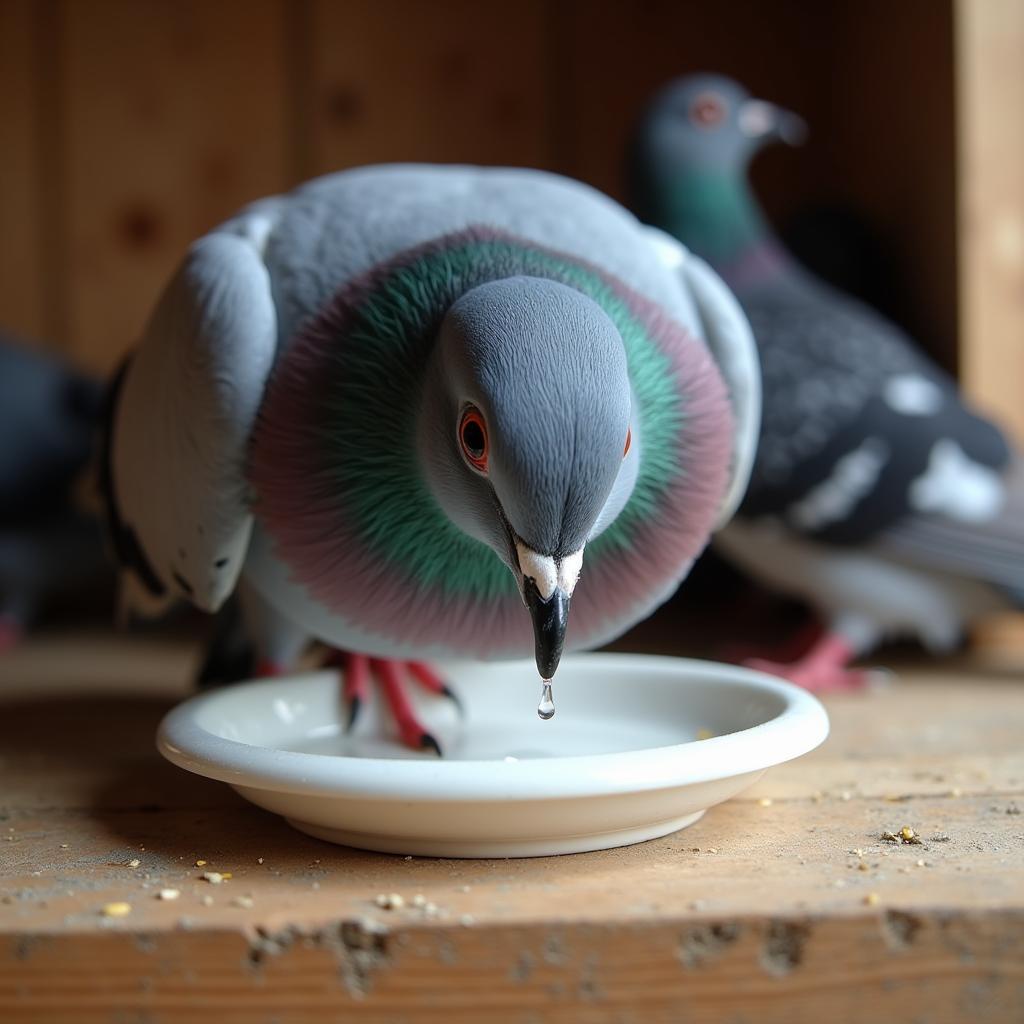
(710, 122)
(688, 164)
(527, 435)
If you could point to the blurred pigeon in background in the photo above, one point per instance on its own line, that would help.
(400, 403)
(48, 546)
(877, 496)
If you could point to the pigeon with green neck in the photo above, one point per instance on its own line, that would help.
(400, 403)
(877, 495)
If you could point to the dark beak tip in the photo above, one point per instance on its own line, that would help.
(550, 617)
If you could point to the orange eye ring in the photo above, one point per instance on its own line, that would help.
(473, 439)
(707, 111)
(629, 441)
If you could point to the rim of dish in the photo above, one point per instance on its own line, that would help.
(800, 726)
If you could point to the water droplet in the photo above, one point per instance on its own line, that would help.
(546, 707)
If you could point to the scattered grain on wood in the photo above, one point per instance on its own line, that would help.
(905, 837)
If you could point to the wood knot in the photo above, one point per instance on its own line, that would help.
(784, 946)
(140, 225)
(705, 942)
(900, 929)
(344, 104)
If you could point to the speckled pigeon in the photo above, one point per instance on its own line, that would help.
(400, 402)
(48, 415)
(877, 495)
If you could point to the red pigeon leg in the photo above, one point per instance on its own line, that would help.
(12, 632)
(824, 668)
(360, 671)
(413, 734)
(268, 668)
(790, 648)
(433, 683)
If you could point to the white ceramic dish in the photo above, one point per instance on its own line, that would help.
(620, 762)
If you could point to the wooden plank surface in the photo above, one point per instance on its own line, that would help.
(762, 911)
(990, 97)
(174, 115)
(21, 302)
(452, 81)
(886, 137)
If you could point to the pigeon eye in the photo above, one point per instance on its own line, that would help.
(629, 441)
(473, 438)
(707, 111)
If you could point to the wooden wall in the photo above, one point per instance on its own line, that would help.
(990, 84)
(127, 127)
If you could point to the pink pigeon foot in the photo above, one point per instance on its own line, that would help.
(823, 669)
(267, 668)
(790, 648)
(12, 632)
(392, 675)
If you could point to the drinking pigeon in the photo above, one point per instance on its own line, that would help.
(399, 403)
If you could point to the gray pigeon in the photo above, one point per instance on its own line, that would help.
(399, 403)
(877, 495)
(48, 414)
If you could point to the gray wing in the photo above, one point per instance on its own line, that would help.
(823, 358)
(856, 421)
(721, 323)
(178, 434)
(970, 522)
(338, 227)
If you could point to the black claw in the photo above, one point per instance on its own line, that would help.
(354, 706)
(447, 691)
(427, 742)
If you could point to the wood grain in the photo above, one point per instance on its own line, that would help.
(613, 56)
(453, 81)
(990, 97)
(880, 145)
(884, 125)
(761, 911)
(149, 121)
(175, 116)
(21, 293)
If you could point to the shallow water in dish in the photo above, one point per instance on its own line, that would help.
(605, 709)
(493, 739)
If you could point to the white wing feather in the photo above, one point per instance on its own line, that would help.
(186, 411)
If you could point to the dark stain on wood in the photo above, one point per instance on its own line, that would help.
(139, 225)
(344, 104)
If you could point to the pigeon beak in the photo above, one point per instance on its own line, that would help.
(547, 586)
(550, 617)
(764, 121)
